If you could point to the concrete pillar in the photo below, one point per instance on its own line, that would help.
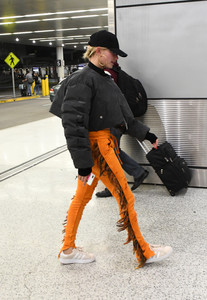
(60, 62)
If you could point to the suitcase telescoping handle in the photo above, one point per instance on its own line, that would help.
(144, 146)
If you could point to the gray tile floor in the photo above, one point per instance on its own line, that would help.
(34, 203)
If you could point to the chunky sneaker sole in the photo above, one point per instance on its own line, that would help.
(161, 253)
(76, 257)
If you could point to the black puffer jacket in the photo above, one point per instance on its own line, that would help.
(94, 102)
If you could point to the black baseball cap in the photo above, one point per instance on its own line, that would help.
(106, 39)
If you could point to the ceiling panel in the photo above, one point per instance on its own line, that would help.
(67, 22)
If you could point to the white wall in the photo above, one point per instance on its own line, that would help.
(166, 45)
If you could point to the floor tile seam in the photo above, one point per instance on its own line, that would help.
(31, 163)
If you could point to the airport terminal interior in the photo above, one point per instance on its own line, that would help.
(38, 181)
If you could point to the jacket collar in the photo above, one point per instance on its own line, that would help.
(98, 70)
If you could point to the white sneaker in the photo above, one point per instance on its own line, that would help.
(161, 252)
(78, 256)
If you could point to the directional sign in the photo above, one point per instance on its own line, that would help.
(11, 60)
(58, 62)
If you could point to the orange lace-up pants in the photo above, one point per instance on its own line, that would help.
(107, 168)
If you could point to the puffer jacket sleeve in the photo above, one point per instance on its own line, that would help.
(75, 118)
(134, 127)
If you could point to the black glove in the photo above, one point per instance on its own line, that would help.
(84, 172)
(151, 137)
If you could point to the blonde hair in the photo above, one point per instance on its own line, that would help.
(89, 52)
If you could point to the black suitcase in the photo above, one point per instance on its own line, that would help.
(171, 168)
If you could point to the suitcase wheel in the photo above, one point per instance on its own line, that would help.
(172, 193)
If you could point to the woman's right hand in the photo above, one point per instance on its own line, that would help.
(155, 145)
(83, 179)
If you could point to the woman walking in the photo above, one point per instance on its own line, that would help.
(92, 105)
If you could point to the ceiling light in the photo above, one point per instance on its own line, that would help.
(23, 32)
(70, 11)
(63, 45)
(51, 38)
(5, 33)
(74, 36)
(17, 40)
(33, 41)
(54, 19)
(50, 43)
(56, 13)
(27, 21)
(47, 40)
(75, 43)
(39, 15)
(98, 9)
(65, 39)
(75, 46)
(6, 23)
(93, 27)
(39, 31)
(11, 17)
(65, 29)
(86, 16)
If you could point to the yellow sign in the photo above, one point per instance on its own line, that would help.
(11, 60)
